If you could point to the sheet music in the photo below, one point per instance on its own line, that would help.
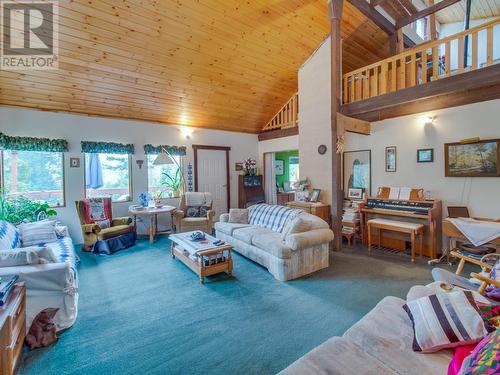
(394, 193)
(404, 193)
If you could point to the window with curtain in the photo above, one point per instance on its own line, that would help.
(108, 175)
(36, 175)
(293, 169)
(164, 179)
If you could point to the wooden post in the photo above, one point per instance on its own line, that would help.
(335, 14)
(432, 26)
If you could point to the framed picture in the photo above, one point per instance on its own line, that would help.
(74, 162)
(279, 167)
(478, 159)
(357, 171)
(314, 197)
(238, 167)
(425, 155)
(390, 159)
(355, 193)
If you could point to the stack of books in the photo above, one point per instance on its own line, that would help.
(351, 216)
(6, 284)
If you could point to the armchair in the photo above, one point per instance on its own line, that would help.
(195, 213)
(101, 232)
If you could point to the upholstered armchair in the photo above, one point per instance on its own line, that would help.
(101, 232)
(195, 213)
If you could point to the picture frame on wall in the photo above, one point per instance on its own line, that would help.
(279, 167)
(425, 155)
(390, 159)
(474, 159)
(357, 171)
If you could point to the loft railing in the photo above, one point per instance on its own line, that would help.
(440, 58)
(287, 116)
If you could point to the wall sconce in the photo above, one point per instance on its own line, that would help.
(428, 120)
(139, 163)
(186, 132)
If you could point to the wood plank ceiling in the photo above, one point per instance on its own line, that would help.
(218, 64)
(480, 9)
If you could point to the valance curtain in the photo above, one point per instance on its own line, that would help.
(32, 144)
(107, 148)
(172, 150)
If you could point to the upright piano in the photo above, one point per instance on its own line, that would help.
(415, 210)
(250, 191)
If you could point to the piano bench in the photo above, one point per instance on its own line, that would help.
(413, 229)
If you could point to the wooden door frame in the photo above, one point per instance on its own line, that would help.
(228, 179)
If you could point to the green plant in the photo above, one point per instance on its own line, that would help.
(21, 209)
(174, 183)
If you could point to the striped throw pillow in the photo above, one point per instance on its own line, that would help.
(446, 320)
(270, 216)
(40, 232)
(9, 236)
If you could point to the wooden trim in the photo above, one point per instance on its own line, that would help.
(470, 87)
(228, 172)
(279, 133)
(425, 12)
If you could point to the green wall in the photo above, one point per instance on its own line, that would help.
(285, 155)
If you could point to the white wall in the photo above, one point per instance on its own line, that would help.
(407, 133)
(75, 128)
(276, 145)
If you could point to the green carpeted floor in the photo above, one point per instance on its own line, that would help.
(141, 312)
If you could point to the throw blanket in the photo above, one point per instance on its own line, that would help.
(271, 216)
(477, 232)
(197, 199)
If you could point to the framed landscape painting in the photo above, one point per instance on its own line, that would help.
(478, 159)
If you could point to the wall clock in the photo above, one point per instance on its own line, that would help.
(322, 149)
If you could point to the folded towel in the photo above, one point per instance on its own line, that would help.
(478, 232)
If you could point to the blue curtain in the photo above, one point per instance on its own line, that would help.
(93, 172)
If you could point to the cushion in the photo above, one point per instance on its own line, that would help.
(246, 234)
(193, 211)
(296, 225)
(316, 237)
(114, 231)
(10, 237)
(38, 232)
(492, 291)
(445, 320)
(228, 228)
(272, 243)
(27, 255)
(103, 224)
(97, 209)
(485, 358)
(238, 215)
(270, 216)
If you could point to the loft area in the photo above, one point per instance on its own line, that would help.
(179, 178)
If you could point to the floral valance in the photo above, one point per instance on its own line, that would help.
(107, 148)
(32, 144)
(172, 150)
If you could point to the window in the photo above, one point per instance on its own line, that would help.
(34, 174)
(107, 175)
(294, 168)
(164, 178)
(421, 28)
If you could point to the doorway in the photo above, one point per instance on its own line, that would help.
(211, 171)
(281, 176)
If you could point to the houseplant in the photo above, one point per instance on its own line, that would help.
(174, 183)
(21, 209)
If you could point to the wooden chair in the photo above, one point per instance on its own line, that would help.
(486, 267)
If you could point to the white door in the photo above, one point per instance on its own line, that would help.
(212, 177)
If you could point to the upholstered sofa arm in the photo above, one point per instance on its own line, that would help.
(121, 221)
(210, 215)
(304, 240)
(179, 214)
(90, 228)
(224, 218)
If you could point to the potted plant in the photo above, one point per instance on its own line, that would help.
(250, 166)
(174, 183)
(21, 209)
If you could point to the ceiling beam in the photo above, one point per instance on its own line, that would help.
(377, 18)
(425, 12)
(374, 3)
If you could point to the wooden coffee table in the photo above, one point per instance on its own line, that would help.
(209, 259)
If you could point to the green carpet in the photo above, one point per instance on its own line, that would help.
(141, 312)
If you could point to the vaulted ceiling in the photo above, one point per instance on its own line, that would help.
(210, 63)
(479, 9)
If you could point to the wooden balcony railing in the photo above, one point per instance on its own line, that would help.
(287, 116)
(427, 62)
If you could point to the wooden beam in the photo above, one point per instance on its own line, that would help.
(425, 12)
(335, 14)
(278, 133)
(470, 87)
(432, 25)
(374, 3)
(353, 125)
(377, 18)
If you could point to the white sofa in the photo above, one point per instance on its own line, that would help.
(260, 239)
(380, 343)
(53, 284)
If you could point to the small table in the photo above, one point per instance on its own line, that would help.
(153, 212)
(202, 257)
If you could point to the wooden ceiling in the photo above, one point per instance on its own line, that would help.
(480, 9)
(219, 64)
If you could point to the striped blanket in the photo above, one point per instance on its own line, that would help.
(9, 236)
(271, 216)
(63, 250)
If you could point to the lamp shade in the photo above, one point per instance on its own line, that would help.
(162, 159)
